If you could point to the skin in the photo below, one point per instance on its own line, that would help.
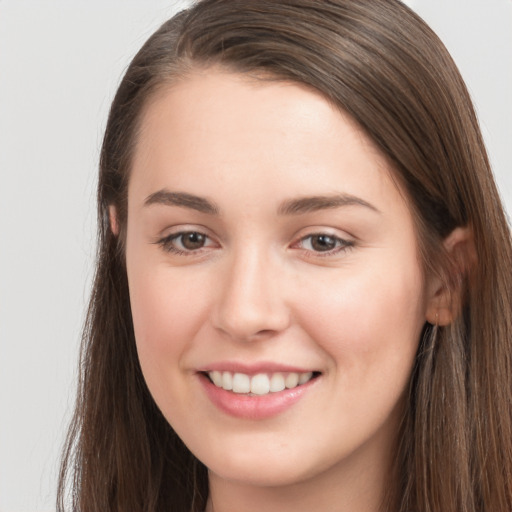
(260, 290)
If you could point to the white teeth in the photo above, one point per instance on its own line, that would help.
(260, 384)
(292, 379)
(241, 383)
(304, 377)
(227, 381)
(277, 382)
(217, 378)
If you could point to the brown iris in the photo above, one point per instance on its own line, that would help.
(193, 240)
(323, 242)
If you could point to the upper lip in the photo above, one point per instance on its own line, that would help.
(253, 368)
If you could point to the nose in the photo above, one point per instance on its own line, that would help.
(251, 301)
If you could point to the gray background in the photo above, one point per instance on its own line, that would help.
(60, 62)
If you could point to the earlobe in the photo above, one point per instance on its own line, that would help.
(441, 307)
(112, 217)
(445, 296)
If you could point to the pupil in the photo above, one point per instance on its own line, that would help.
(193, 240)
(323, 243)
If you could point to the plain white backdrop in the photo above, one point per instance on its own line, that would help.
(60, 62)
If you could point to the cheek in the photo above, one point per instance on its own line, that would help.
(167, 311)
(369, 319)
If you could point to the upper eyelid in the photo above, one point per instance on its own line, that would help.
(184, 228)
(325, 233)
(318, 230)
(346, 241)
(178, 234)
(169, 232)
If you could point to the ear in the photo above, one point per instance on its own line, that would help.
(444, 297)
(112, 217)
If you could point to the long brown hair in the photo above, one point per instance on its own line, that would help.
(379, 62)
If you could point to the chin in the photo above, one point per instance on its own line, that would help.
(268, 463)
(263, 474)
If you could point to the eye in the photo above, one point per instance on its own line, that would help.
(324, 243)
(185, 242)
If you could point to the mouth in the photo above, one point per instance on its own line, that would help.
(259, 392)
(259, 384)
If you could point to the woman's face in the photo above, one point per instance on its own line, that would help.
(267, 243)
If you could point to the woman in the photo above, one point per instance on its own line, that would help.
(303, 291)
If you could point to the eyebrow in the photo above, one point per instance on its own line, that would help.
(297, 206)
(168, 198)
(315, 203)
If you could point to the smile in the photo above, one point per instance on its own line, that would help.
(256, 395)
(259, 384)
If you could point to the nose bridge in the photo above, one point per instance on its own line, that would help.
(251, 296)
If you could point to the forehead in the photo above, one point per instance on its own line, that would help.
(214, 127)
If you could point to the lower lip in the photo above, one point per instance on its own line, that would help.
(254, 407)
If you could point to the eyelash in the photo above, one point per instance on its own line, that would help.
(166, 243)
(341, 244)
